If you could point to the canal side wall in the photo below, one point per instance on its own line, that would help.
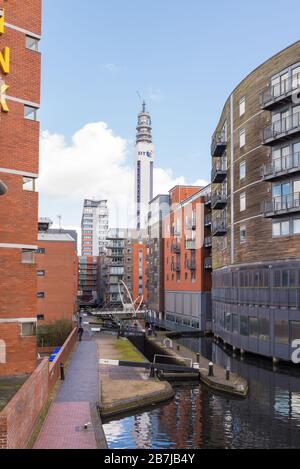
(18, 419)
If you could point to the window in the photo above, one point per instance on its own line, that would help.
(28, 184)
(281, 228)
(28, 329)
(235, 323)
(40, 317)
(242, 106)
(295, 330)
(31, 113)
(242, 170)
(264, 329)
(242, 138)
(244, 326)
(27, 256)
(41, 273)
(40, 294)
(242, 234)
(282, 332)
(32, 43)
(253, 327)
(242, 201)
(296, 226)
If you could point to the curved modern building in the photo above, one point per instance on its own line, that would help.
(256, 210)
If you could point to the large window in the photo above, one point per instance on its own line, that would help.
(253, 327)
(242, 106)
(28, 329)
(282, 332)
(242, 170)
(28, 256)
(244, 329)
(29, 184)
(32, 43)
(242, 138)
(31, 113)
(242, 234)
(235, 323)
(295, 330)
(281, 228)
(264, 329)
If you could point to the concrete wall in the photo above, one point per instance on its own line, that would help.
(191, 306)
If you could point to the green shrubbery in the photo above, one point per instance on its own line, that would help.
(54, 334)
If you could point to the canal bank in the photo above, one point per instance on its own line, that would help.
(197, 418)
(235, 385)
(125, 388)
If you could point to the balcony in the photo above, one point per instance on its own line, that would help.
(207, 220)
(191, 264)
(279, 93)
(282, 205)
(219, 144)
(219, 172)
(282, 129)
(208, 242)
(176, 267)
(191, 224)
(219, 227)
(281, 167)
(174, 232)
(175, 248)
(219, 200)
(208, 263)
(207, 200)
(190, 244)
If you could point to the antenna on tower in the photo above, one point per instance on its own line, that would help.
(59, 220)
(140, 98)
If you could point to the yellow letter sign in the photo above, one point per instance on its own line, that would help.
(3, 89)
(5, 60)
(1, 21)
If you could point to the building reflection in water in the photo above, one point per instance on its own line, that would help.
(198, 418)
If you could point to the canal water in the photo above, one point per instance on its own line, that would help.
(198, 418)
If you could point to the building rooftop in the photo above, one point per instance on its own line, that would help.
(55, 237)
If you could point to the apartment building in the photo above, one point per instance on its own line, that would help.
(89, 294)
(57, 275)
(94, 227)
(159, 208)
(187, 259)
(256, 210)
(20, 65)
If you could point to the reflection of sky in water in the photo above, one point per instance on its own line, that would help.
(268, 418)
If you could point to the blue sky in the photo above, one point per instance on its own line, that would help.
(184, 57)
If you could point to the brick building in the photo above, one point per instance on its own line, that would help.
(57, 274)
(139, 271)
(187, 259)
(20, 62)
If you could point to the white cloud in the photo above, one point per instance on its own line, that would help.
(95, 164)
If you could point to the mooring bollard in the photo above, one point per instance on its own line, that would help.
(178, 348)
(227, 373)
(152, 371)
(198, 357)
(211, 369)
(62, 372)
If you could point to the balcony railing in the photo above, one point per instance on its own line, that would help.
(175, 248)
(219, 172)
(208, 263)
(208, 242)
(280, 167)
(219, 227)
(281, 92)
(190, 244)
(207, 200)
(282, 129)
(219, 144)
(219, 200)
(176, 267)
(282, 205)
(191, 264)
(191, 224)
(207, 219)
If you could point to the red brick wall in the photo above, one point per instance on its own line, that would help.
(62, 357)
(19, 143)
(18, 418)
(136, 248)
(59, 284)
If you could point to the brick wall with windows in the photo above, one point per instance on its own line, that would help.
(19, 143)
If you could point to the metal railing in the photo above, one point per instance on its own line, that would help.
(191, 264)
(208, 263)
(191, 224)
(282, 127)
(283, 203)
(208, 241)
(175, 248)
(219, 143)
(207, 219)
(280, 90)
(219, 225)
(219, 169)
(283, 164)
(219, 197)
(176, 267)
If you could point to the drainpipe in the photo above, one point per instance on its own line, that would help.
(3, 188)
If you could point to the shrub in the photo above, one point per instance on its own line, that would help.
(54, 334)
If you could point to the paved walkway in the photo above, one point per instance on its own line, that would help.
(73, 405)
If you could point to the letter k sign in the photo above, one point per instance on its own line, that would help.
(3, 89)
